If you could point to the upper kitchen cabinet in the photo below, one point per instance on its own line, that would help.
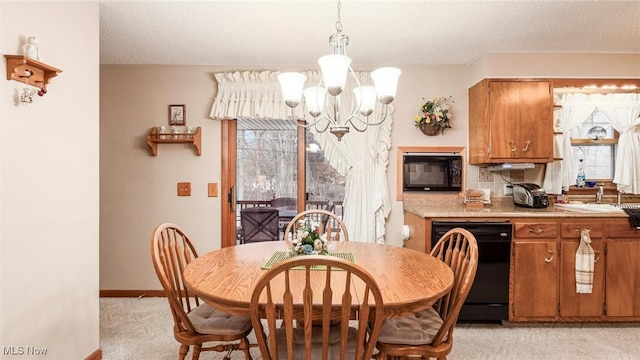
(511, 121)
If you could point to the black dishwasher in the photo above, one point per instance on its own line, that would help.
(488, 299)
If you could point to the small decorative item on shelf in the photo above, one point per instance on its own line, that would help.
(32, 49)
(308, 240)
(597, 133)
(434, 116)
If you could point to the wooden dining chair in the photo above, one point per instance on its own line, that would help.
(312, 298)
(259, 224)
(429, 333)
(328, 223)
(194, 322)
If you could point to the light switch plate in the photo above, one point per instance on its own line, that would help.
(212, 190)
(184, 189)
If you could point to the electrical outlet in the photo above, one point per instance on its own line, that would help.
(507, 189)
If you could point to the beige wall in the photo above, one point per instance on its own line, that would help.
(49, 185)
(138, 191)
(559, 65)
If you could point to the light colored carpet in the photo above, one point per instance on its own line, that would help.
(133, 329)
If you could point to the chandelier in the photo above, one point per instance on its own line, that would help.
(324, 100)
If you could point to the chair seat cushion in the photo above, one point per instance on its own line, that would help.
(415, 329)
(316, 343)
(207, 320)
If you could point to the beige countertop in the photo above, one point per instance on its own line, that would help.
(454, 207)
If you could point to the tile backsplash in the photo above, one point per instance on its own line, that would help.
(478, 177)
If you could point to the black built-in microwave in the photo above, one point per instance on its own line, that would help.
(432, 172)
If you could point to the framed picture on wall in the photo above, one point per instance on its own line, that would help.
(177, 115)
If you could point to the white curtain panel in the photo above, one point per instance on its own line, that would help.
(622, 111)
(362, 157)
(575, 110)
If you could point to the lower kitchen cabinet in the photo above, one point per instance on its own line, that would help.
(543, 272)
(534, 279)
(573, 304)
(622, 270)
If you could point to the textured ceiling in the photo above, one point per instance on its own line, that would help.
(396, 32)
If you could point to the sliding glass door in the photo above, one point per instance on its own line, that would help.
(264, 160)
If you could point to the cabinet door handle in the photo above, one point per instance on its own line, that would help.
(597, 255)
(526, 146)
(539, 231)
(550, 257)
(513, 146)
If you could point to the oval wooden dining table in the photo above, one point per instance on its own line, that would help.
(409, 280)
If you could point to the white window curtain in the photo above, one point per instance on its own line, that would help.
(575, 110)
(361, 157)
(622, 111)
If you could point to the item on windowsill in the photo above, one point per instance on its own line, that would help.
(581, 179)
(596, 133)
(434, 116)
(308, 240)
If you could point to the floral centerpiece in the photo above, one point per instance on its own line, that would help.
(308, 240)
(433, 117)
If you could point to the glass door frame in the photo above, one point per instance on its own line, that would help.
(229, 154)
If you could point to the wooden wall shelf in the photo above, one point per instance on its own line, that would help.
(154, 138)
(30, 71)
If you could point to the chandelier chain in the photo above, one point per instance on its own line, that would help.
(339, 19)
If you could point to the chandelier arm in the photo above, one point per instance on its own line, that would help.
(309, 124)
(383, 117)
(319, 130)
(353, 124)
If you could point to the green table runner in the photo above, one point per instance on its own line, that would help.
(279, 256)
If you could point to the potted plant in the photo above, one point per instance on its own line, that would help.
(434, 116)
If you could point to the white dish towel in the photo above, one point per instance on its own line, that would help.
(585, 260)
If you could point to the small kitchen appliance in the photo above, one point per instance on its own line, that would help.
(432, 172)
(529, 195)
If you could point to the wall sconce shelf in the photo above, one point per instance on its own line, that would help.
(30, 71)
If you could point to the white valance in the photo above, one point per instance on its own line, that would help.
(249, 95)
